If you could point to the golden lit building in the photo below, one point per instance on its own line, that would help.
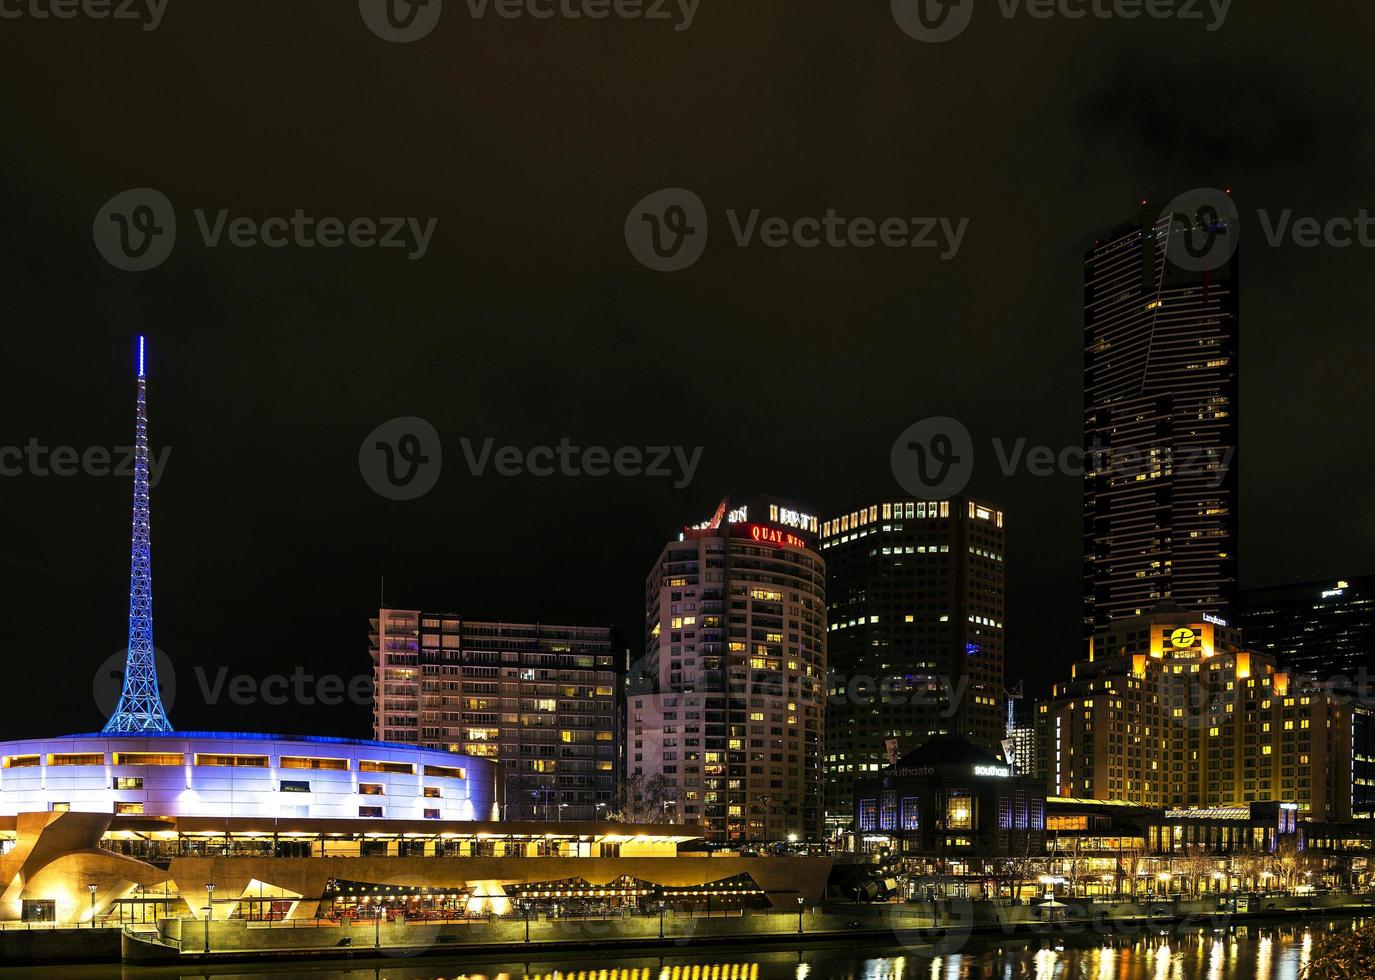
(1170, 710)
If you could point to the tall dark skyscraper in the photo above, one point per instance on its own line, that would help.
(915, 621)
(1161, 398)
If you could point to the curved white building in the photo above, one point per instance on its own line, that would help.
(212, 774)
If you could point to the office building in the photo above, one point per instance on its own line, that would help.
(1322, 629)
(1169, 710)
(728, 702)
(1161, 398)
(1019, 745)
(541, 701)
(1325, 631)
(916, 602)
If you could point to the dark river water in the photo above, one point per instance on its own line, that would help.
(1237, 953)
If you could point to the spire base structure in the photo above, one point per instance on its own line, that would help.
(140, 704)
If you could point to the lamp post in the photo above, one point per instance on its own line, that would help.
(525, 907)
(661, 920)
(799, 915)
(92, 889)
(209, 911)
(562, 807)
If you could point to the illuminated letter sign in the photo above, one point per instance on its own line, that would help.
(775, 537)
(998, 771)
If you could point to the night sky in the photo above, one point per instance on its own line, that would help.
(529, 320)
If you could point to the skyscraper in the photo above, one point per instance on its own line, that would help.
(1161, 396)
(728, 702)
(541, 700)
(915, 595)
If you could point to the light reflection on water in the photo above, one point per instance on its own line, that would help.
(1246, 952)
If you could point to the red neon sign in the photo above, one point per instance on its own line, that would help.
(775, 537)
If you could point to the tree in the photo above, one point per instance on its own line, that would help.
(1197, 864)
(1346, 955)
(642, 799)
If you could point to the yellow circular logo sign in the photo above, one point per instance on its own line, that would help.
(1182, 637)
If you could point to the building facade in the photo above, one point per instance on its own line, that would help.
(916, 604)
(727, 704)
(1322, 629)
(1325, 631)
(949, 807)
(541, 701)
(118, 829)
(1169, 710)
(1161, 398)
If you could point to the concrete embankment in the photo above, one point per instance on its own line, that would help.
(913, 925)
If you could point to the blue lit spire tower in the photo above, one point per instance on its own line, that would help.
(140, 706)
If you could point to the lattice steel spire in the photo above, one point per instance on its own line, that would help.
(140, 706)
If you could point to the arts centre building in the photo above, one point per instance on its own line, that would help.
(142, 822)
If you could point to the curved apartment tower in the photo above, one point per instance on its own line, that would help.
(728, 701)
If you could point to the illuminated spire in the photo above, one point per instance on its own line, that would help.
(140, 706)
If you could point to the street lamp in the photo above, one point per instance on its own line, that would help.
(799, 914)
(92, 889)
(209, 911)
(562, 807)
